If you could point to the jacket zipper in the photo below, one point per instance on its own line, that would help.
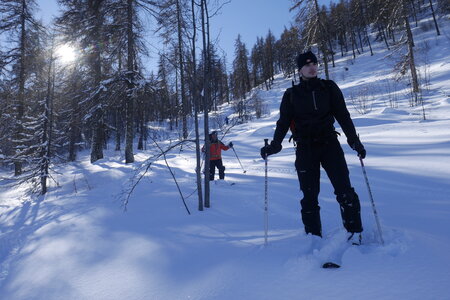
(314, 100)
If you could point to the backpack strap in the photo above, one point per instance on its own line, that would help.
(291, 95)
(325, 84)
(292, 124)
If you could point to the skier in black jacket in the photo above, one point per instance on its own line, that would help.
(314, 104)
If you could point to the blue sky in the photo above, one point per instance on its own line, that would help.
(250, 18)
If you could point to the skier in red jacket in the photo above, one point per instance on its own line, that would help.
(215, 159)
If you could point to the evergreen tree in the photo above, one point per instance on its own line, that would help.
(269, 60)
(84, 21)
(288, 47)
(172, 26)
(257, 61)
(398, 13)
(17, 26)
(311, 19)
(241, 74)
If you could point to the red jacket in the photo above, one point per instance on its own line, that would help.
(215, 150)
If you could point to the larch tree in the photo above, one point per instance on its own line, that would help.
(310, 18)
(172, 27)
(83, 22)
(398, 13)
(16, 17)
(241, 73)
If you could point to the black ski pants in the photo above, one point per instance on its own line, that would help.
(212, 168)
(327, 153)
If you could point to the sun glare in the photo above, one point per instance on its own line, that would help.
(66, 53)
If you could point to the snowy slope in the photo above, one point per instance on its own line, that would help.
(77, 243)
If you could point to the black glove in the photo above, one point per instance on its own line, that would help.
(359, 148)
(230, 145)
(273, 148)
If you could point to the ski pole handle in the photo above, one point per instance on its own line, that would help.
(266, 143)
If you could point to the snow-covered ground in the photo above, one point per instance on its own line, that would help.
(77, 243)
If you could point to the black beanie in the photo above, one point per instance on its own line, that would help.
(305, 58)
(211, 134)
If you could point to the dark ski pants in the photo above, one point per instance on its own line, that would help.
(328, 154)
(212, 168)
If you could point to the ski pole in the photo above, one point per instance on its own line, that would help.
(373, 203)
(238, 160)
(266, 201)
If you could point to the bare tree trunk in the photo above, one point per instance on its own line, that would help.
(368, 41)
(118, 129)
(363, 9)
(198, 169)
(392, 33)
(206, 74)
(129, 157)
(411, 60)
(345, 42)
(142, 131)
(73, 135)
(355, 42)
(414, 12)
(98, 130)
(97, 137)
(322, 40)
(434, 19)
(74, 127)
(21, 93)
(330, 45)
(184, 110)
(353, 45)
(118, 110)
(47, 126)
(360, 40)
(325, 63)
(381, 29)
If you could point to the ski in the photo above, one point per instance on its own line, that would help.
(330, 265)
(223, 182)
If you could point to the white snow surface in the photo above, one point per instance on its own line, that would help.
(76, 242)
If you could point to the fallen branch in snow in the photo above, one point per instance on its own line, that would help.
(30, 178)
(147, 165)
(173, 176)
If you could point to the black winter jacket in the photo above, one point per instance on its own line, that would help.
(314, 105)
